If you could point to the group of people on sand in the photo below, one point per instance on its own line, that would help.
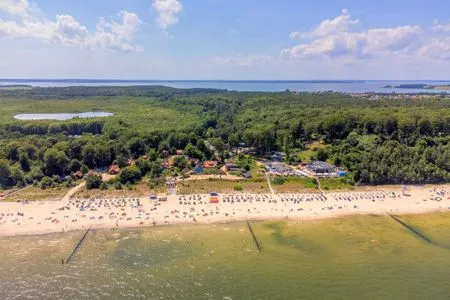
(373, 196)
(112, 212)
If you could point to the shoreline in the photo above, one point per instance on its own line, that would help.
(70, 214)
(218, 222)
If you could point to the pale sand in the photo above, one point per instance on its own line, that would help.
(46, 217)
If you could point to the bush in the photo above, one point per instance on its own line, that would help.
(130, 175)
(93, 181)
(118, 186)
(238, 187)
(279, 180)
(103, 186)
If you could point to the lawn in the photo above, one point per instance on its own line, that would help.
(294, 185)
(339, 183)
(38, 194)
(258, 185)
(141, 189)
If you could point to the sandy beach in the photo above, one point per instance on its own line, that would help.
(24, 217)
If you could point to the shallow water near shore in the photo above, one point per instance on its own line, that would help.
(358, 257)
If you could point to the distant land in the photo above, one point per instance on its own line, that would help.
(419, 86)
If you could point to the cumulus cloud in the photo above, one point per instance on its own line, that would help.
(168, 11)
(15, 7)
(66, 30)
(329, 26)
(334, 38)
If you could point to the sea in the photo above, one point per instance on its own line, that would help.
(344, 86)
(358, 257)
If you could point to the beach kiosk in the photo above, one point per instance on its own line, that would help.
(213, 198)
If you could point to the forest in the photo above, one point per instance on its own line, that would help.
(377, 141)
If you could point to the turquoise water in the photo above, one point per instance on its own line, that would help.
(62, 117)
(363, 257)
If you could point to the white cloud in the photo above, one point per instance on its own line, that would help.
(329, 26)
(66, 30)
(333, 38)
(15, 7)
(441, 27)
(168, 11)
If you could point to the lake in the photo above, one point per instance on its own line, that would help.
(359, 257)
(345, 86)
(62, 117)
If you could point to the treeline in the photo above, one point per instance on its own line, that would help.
(385, 141)
(44, 128)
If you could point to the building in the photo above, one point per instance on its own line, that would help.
(320, 167)
(114, 170)
(198, 169)
(210, 164)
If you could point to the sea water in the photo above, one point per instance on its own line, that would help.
(359, 257)
(346, 86)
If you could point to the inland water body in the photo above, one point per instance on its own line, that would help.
(358, 257)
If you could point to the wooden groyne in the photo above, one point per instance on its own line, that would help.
(412, 230)
(78, 245)
(254, 236)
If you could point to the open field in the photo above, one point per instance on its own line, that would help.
(141, 189)
(38, 194)
(295, 185)
(257, 185)
(336, 183)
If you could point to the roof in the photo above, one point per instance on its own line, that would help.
(114, 169)
(210, 164)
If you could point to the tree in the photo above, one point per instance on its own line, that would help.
(5, 174)
(102, 156)
(136, 146)
(55, 162)
(130, 174)
(322, 155)
(121, 161)
(180, 162)
(88, 155)
(74, 165)
(143, 165)
(155, 170)
(93, 181)
(24, 161)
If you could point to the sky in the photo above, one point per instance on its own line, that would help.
(225, 39)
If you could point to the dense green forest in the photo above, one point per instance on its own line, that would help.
(379, 142)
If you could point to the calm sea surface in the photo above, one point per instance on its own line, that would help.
(361, 257)
(358, 86)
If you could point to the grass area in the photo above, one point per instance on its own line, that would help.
(295, 185)
(142, 189)
(254, 185)
(339, 183)
(38, 194)
(309, 150)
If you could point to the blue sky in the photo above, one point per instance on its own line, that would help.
(225, 39)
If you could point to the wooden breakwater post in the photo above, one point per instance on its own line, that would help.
(254, 236)
(78, 245)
